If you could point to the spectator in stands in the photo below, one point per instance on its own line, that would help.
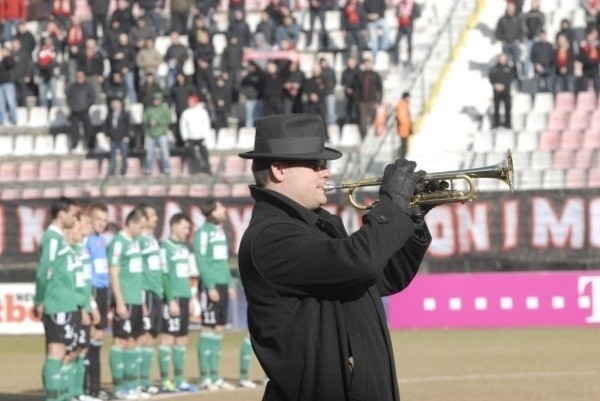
(251, 88)
(198, 25)
(140, 33)
(180, 11)
(377, 26)
(57, 34)
(117, 128)
(110, 40)
(80, 97)
(277, 11)
(288, 31)
(589, 56)
(148, 59)
(194, 126)
(206, 9)
(405, 14)
(569, 33)
(509, 31)
(501, 77)
(178, 98)
(353, 21)
(592, 12)
(92, 62)
(316, 9)
(272, 84)
(221, 101)
(239, 28)
(148, 89)
(75, 42)
(315, 89)
(369, 92)
(123, 62)
(175, 57)
(542, 58)
(28, 41)
(350, 82)
(404, 124)
(62, 11)
(8, 90)
(330, 83)
(11, 12)
(49, 72)
(156, 120)
(234, 7)
(293, 86)
(99, 10)
(24, 72)
(114, 88)
(231, 63)
(152, 12)
(124, 14)
(204, 55)
(564, 59)
(533, 24)
(266, 28)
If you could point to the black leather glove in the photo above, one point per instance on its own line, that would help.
(418, 212)
(399, 182)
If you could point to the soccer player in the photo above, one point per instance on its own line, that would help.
(153, 289)
(54, 301)
(97, 249)
(126, 280)
(211, 252)
(178, 293)
(245, 357)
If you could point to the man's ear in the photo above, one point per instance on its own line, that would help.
(277, 171)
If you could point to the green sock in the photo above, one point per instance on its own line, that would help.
(245, 356)
(117, 367)
(79, 375)
(164, 361)
(178, 363)
(65, 381)
(215, 357)
(139, 353)
(146, 369)
(204, 348)
(51, 378)
(130, 358)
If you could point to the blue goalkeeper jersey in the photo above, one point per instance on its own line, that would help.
(97, 249)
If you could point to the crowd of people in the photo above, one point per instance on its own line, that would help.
(84, 272)
(569, 62)
(113, 56)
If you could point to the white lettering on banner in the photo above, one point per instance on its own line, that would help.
(552, 231)
(594, 211)
(510, 224)
(441, 227)
(594, 295)
(16, 310)
(473, 228)
(171, 208)
(2, 230)
(32, 223)
(239, 219)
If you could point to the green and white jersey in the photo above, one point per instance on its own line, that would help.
(211, 252)
(124, 253)
(153, 274)
(176, 267)
(55, 277)
(83, 276)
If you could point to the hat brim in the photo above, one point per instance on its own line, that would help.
(326, 154)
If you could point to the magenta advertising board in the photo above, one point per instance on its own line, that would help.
(498, 300)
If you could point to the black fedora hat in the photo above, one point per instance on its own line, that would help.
(291, 137)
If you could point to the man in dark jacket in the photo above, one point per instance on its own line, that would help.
(178, 97)
(315, 316)
(369, 92)
(542, 58)
(509, 31)
(80, 97)
(117, 128)
(99, 15)
(350, 79)
(8, 90)
(501, 77)
(533, 24)
(315, 89)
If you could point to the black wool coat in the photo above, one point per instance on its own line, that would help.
(315, 315)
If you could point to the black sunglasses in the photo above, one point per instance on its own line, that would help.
(315, 165)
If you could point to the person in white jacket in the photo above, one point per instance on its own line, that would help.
(195, 127)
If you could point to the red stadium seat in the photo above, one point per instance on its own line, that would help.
(31, 193)
(240, 190)
(69, 169)
(11, 194)
(28, 171)
(549, 140)
(51, 193)
(176, 166)
(586, 101)
(73, 192)
(8, 171)
(157, 190)
(134, 167)
(579, 120)
(591, 138)
(113, 190)
(575, 178)
(135, 190)
(48, 170)
(90, 169)
(593, 179)
(563, 159)
(565, 101)
(234, 166)
(198, 191)
(221, 190)
(557, 120)
(571, 139)
(178, 190)
(583, 158)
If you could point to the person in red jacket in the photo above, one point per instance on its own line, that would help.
(11, 12)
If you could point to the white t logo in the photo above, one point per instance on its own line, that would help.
(594, 296)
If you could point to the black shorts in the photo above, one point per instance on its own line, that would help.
(177, 326)
(62, 328)
(153, 321)
(130, 327)
(215, 313)
(101, 298)
(83, 340)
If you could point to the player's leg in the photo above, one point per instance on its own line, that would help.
(167, 340)
(205, 341)
(133, 353)
(245, 357)
(56, 350)
(180, 346)
(220, 308)
(148, 339)
(121, 335)
(93, 368)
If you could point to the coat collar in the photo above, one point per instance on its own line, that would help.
(287, 205)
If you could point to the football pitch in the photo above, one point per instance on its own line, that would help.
(550, 364)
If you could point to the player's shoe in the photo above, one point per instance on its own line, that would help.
(86, 397)
(247, 383)
(185, 386)
(141, 394)
(102, 395)
(207, 384)
(126, 395)
(152, 389)
(223, 385)
(167, 386)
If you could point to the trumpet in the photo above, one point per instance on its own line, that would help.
(501, 171)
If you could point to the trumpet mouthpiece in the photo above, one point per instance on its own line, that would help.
(330, 187)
